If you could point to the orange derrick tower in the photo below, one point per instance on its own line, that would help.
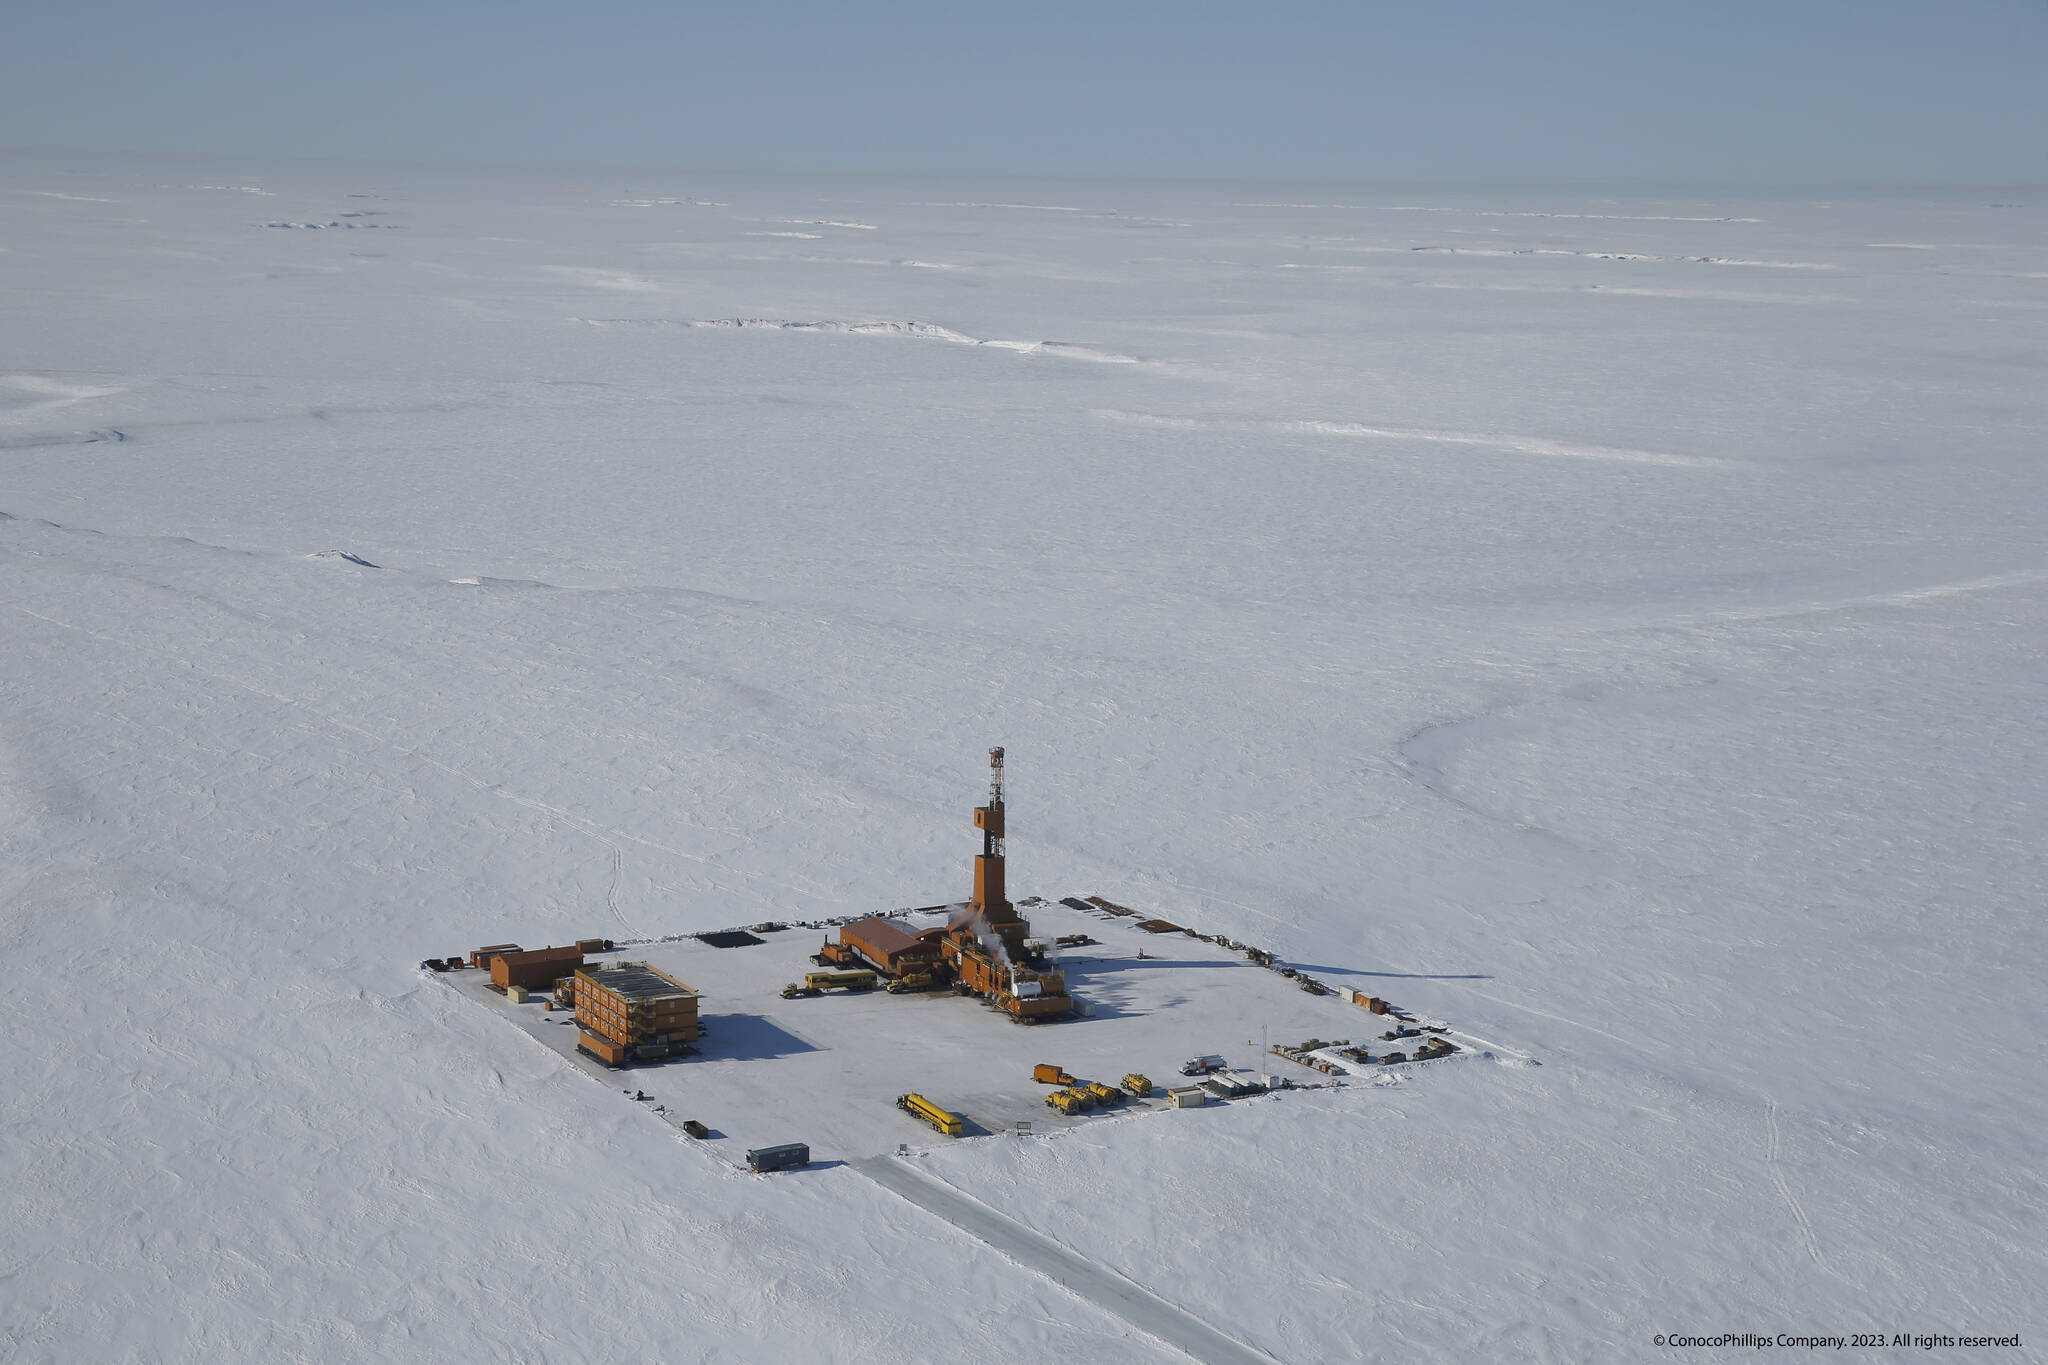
(984, 945)
(991, 899)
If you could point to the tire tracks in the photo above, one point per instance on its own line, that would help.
(611, 895)
(1785, 1190)
(1084, 1279)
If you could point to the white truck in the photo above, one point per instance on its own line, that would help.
(1201, 1066)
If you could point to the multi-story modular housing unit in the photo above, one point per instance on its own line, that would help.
(633, 1012)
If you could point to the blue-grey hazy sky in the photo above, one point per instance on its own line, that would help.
(1729, 91)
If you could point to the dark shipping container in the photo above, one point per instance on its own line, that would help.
(789, 1154)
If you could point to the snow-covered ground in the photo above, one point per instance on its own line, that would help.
(1611, 623)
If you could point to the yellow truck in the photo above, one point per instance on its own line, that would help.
(917, 1106)
(1106, 1096)
(817, 983)
(1070, 1101)
(1138, 1085)
(1047, 1074)
(909, 982)
(851, 981)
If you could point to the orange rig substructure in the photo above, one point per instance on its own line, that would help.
(983, 949)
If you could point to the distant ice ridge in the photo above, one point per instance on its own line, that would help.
(1530, 213)
(1517, 444)
(37, 391)
(1589, 255)
(983, 204)
(927, 331)
(1500, 213)
(1526, 445)
(660, 203)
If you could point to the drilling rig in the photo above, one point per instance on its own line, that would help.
(991, 900)
(984, 944)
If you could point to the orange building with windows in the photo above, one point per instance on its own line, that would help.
(633, 1012)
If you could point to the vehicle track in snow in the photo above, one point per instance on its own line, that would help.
(1076, 1274)
(1785, 1190)
(611, 894)
(97, 436)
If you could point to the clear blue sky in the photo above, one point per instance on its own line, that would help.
(1712, 91)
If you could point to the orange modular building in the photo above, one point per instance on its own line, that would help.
(634, 1012)
(534, 970)
(889, 947)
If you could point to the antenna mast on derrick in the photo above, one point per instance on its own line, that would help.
(993, 844)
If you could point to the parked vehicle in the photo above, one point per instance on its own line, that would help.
(779, 1158)
(817, 983)
(832, 981)
(917, 1106)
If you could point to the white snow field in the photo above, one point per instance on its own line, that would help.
(1613, 623)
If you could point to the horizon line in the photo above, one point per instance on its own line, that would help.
(531, 167)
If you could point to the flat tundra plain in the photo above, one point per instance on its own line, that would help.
(1610, 623)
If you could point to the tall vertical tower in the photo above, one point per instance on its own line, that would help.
(990, 896)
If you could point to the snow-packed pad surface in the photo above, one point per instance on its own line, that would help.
(1611, 623)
